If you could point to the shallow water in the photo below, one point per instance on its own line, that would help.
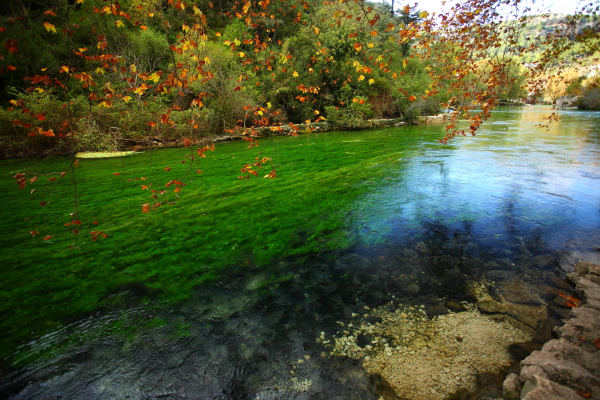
(222, 293)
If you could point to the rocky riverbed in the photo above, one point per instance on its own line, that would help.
(465, 354)
(568, 367)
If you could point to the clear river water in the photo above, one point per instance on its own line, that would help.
(218, 291)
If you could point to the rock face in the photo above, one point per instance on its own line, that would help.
(568, 367)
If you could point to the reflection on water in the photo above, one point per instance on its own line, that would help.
(515, 206)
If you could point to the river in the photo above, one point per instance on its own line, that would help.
(224, 290)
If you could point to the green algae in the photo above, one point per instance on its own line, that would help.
(216, 222)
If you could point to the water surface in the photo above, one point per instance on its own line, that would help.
(220, 291)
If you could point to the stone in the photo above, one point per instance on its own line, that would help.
(511, 387)
(588, 289)
(542, 260)
(518, 292)
(422, 248)
(585, 319)
(491, 307)
(589, 270)
(542, 389)
(557, 369)
(561, 348)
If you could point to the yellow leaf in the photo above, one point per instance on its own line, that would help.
(126, 99)
(100, 70)
(361, 78)
(423, 14)
(110, 87)
(82, 49)
(119, 23)
(80, 1)
(64, 69)
(295, 74)
(133, 68)
(207, 60)
(371, 81)
(317, 30)
(106, 104)
(242, 54)
(404, 63)
(370, 45)
(154, 77)
(308, 121)
(246, 7)
(196, 10)
(39, 90)
(259, 112)
(268, 104)
(49, 27)
(317, 112)
(151, 15)
(185, 28)
(237, 42)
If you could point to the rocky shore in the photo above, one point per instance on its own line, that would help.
(566, 368)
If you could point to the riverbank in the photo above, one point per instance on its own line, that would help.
(568, 367)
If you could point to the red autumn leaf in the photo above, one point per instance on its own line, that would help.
(117, 173)
(145, 208)
(95, 222)
(62, 174)
(33, 233)
(569, 298)
(186, 142)
(412, 98)
(11, 45)
(167, 169)
(47, 237)
(52, 179)
(43, 203)
(198, 171)
(586, 395)
(77, 162)
(11, 67)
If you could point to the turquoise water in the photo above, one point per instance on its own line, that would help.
(228, 280)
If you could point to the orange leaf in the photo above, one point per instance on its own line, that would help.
(412, 98)
(145, 208)
(33, 233)
(167, 169)
(47, 237)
